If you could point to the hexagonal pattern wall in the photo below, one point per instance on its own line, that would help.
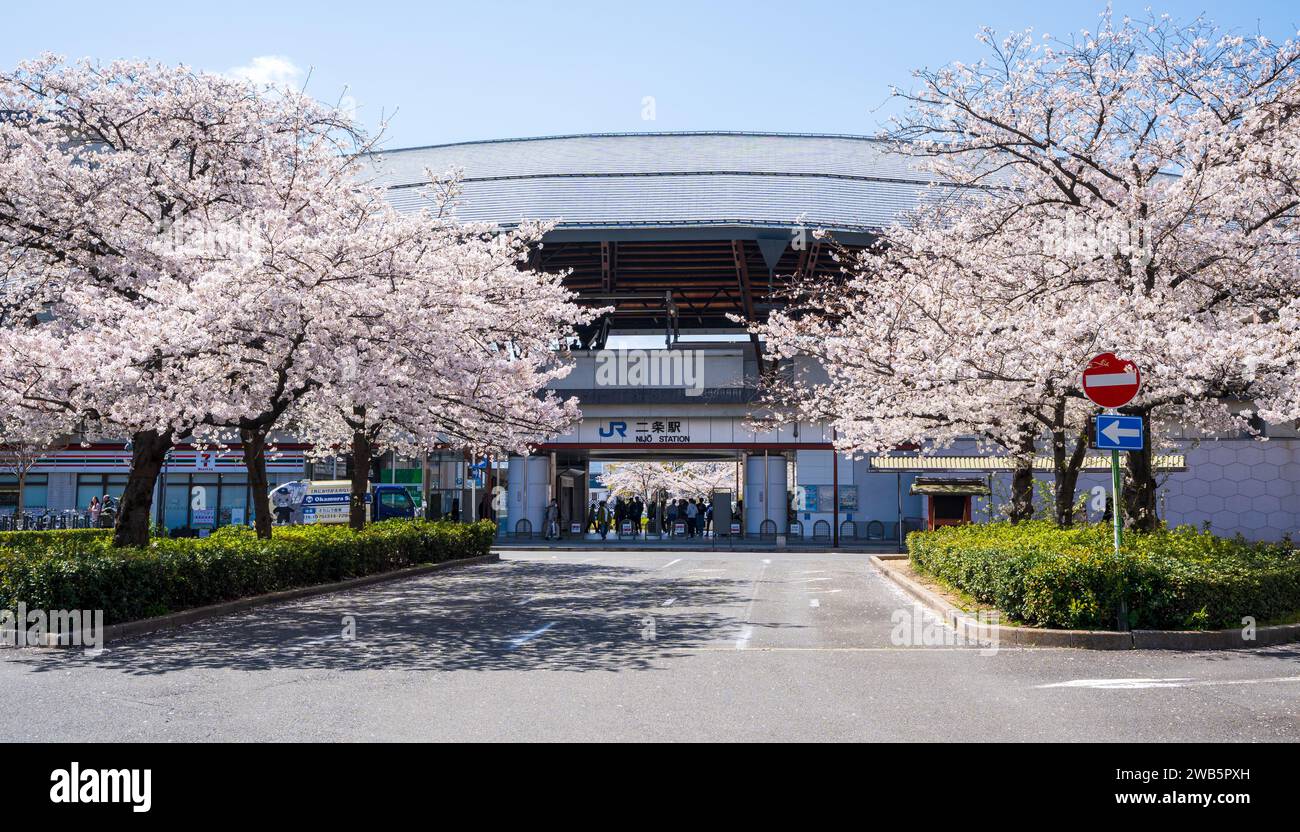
(1237, 486)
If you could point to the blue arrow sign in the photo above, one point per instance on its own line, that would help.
(1119, 433)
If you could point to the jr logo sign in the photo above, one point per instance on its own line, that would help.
(612, 428)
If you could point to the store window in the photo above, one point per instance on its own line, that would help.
(34, 494)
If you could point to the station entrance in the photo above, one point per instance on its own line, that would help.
(651, 494)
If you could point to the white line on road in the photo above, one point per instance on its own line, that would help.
(670, 563)
(668, 603)
(745, 634)
(813, 580)
(811, 572)
(1137, 684)
(520, 641)
(767, 561)
(813, 602)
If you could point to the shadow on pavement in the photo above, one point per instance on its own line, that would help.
(515, 615)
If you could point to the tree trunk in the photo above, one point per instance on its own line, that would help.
(22, 484)
(1022, 491)
(361, 452)
(1140, 491)
(1022, 478)
(148, 453)
(253, 441)
(1067, 474)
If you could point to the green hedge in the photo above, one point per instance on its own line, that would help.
(86, 573)
(61, 537)
(1071, 578)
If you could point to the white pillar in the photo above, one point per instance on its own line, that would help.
(526, 493)
(765, 481)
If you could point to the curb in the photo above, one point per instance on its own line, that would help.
(133, 629)
(969, 627)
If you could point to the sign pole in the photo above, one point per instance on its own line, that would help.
(1116, 510)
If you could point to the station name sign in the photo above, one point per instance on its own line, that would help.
(647, 431)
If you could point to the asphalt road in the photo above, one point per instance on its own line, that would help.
(629, 646)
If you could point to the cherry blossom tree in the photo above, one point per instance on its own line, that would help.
(26, 437)
(1165, 153)
(452, 347)
(1131, 190)
(676, 479)
(108, 174)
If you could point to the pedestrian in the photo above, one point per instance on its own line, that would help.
(553, 520)
(94, 512)
(708, 518)
(692, 517)
(455, 510)
(671, 517)
(602, 519)
(636, 510)
(591, 518)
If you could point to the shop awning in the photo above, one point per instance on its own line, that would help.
(949, 486)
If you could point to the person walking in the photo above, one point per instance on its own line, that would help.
(591, 518)
(602, 519)
(94, 512)
(553, 520)
(636, 509)
(692, 517)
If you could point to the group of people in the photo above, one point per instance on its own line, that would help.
(102, 512)
(661, 516)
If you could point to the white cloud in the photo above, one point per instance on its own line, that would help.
(268, 69)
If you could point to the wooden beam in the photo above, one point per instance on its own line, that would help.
(608, 264)
(746, 295)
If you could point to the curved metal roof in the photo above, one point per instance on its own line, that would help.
(658, 180)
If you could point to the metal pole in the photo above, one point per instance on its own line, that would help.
(1116, 511)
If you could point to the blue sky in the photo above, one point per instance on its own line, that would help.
(474, 70)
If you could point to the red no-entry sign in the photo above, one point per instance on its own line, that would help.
(1110, 381)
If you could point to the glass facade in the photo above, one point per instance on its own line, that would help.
(34, 493)
(97, 485)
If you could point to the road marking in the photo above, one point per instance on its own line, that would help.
(1184, 682)
(670, 563)
(767, 561)
(813, 580)
(520, 641)
(811, 572)
(668, 603)
(746, 633)
(813, 602)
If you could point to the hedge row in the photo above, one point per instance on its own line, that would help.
(171, 575)
(60, 537)
(1044, 576)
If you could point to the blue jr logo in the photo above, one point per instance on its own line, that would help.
(614, 427)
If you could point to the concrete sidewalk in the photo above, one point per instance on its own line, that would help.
(706, 544)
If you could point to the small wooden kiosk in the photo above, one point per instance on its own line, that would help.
(948, 498)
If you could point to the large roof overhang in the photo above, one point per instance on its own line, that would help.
(675, 230)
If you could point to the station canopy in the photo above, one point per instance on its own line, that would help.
(675, 230)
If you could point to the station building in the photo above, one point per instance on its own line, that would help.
(682, 235)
